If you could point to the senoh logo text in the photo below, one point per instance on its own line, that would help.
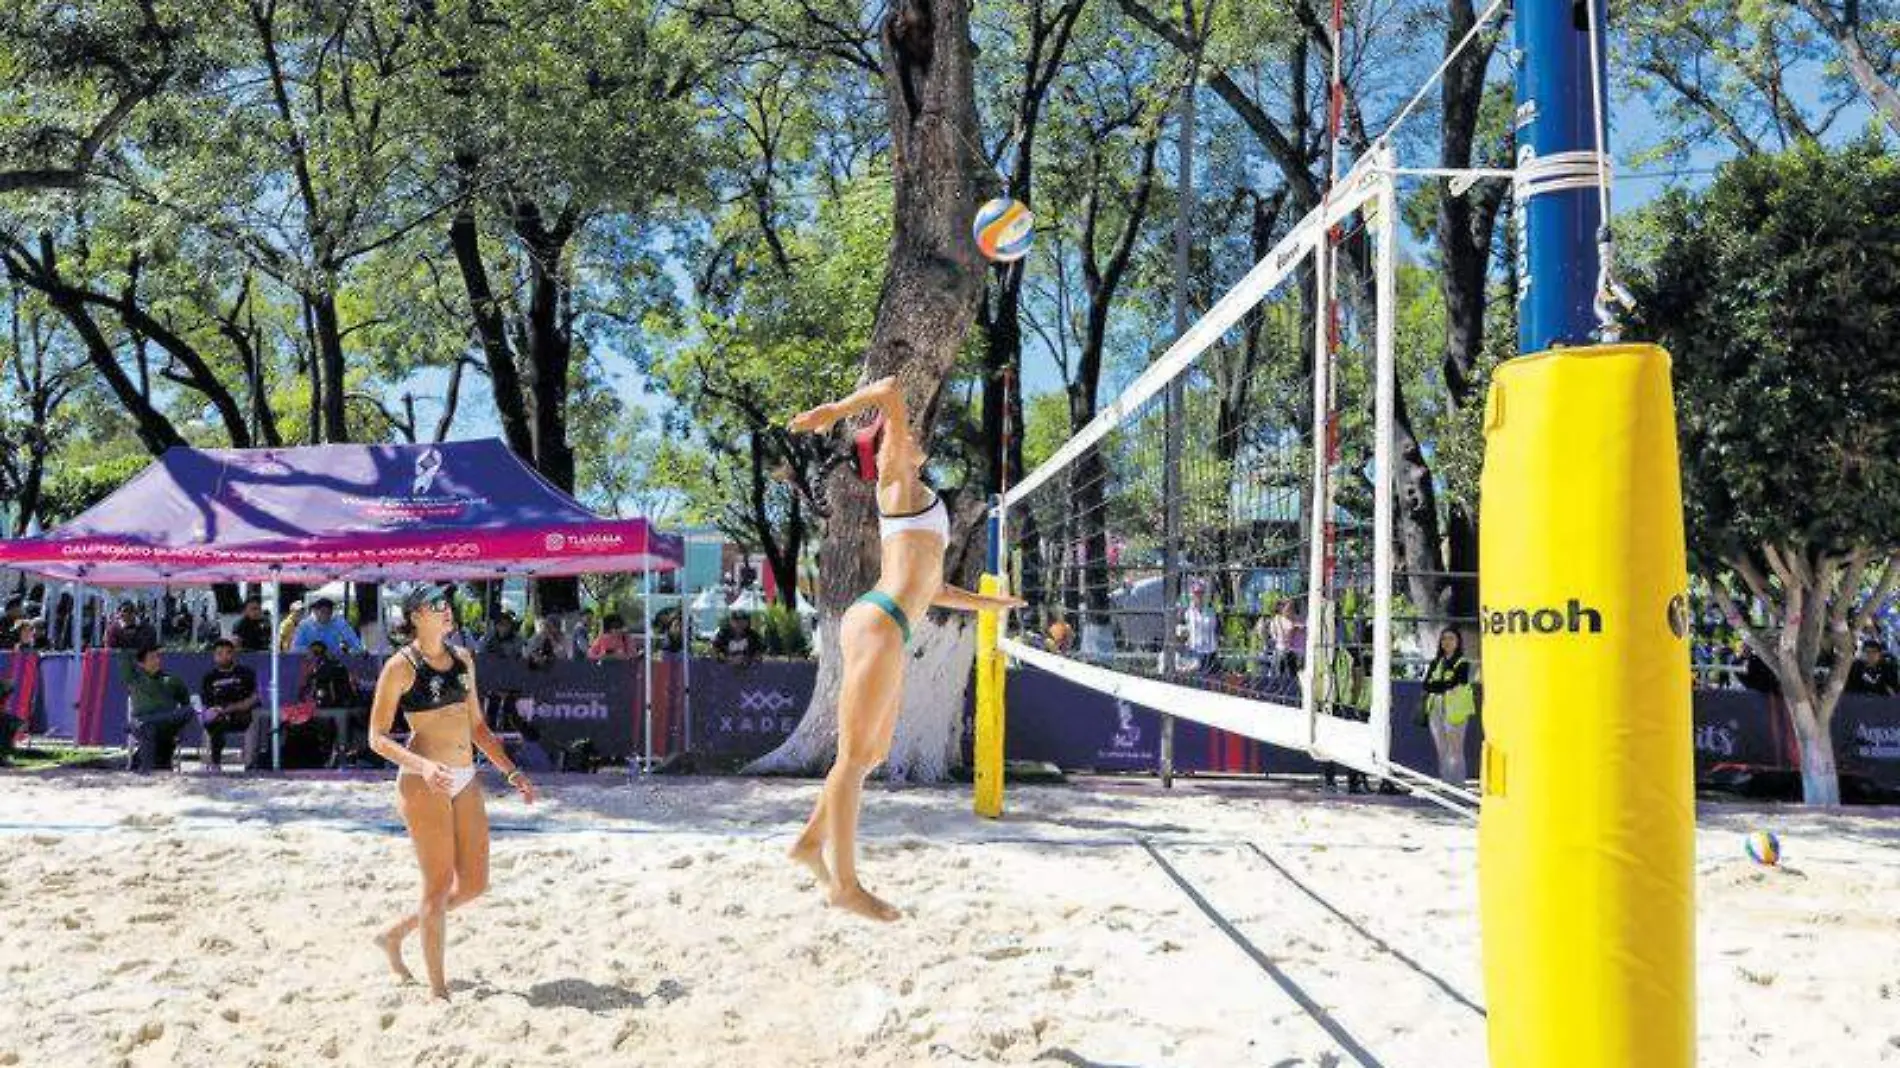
(1574, 618)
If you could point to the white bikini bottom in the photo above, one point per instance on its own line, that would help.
(461, 776)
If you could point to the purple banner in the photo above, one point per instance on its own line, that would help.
(740, 712)
(1054, 720)
(745, 711)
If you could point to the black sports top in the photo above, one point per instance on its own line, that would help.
(433, 688)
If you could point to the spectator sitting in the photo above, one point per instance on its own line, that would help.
(613, 643)
(325, 626)
(736, 640)
(229, 693)
(547, 644)
(504, 638)
(327, 685)
(1873, 672)
(161, 706)
(128, 631)
(251, 632)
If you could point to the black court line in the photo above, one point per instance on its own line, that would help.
(1300, 997)
(1378, 943)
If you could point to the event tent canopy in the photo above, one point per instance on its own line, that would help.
(366, 513)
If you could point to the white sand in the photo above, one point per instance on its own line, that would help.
(201, 921)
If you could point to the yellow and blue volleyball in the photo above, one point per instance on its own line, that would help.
(1764, 848)
(1004, 230)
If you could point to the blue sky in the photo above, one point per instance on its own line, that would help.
(1635, 128)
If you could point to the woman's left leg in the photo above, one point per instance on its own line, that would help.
(469, 818)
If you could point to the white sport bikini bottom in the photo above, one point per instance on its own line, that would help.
(462, 777)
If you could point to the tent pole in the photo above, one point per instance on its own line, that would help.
(646, 610)
(77, 623)
(686, 670)
(276, 694)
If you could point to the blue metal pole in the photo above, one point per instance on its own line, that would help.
(993, 559)
(1557, 252)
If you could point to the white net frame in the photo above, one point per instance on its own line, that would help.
(1368, 192)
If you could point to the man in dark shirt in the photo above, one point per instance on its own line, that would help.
(1873, 672)
(252, 630)
(327, 683)
(128, 631)
(736, 640)
(160, 707)
(229, 692)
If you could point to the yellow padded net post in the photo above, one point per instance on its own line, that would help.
(988, 749)
(1587, 837)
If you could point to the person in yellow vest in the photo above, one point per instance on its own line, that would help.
(1450, 703)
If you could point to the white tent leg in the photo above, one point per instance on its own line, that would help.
(276, 695)
(646, 610)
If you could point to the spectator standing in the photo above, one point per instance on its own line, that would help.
(1873, 672)
(10, 621)
(1061, 635)
(326, 626)
(287, 628)
(161, 706)
(582, 633)
(10, 725)
(1449, 704)
(547, 645)
(736, 640)
(61, 634)
(229, 693)
(614, 643)
(128, 631)
(504, 638)
(28, 636)
(1203, 631)
(1288, 635)
(251, 632)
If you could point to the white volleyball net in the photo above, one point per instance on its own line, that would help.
(1216, 544)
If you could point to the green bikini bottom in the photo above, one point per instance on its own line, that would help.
(884, 601)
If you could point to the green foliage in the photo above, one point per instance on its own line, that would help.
(783, 631)
(1777, 292)
(73, 488)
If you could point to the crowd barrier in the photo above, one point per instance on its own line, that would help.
(737, 712)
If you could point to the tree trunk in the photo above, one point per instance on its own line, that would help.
(330, 364)
(929, 301)
(1885, 99)
(1820, 779)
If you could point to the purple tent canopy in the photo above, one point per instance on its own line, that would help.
(367, 513)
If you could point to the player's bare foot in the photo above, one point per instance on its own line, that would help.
(439, 993)
(866, 904)
(812, 856)
(391, 945)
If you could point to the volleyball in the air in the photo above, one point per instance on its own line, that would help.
(1004, 230)
(1764, 848)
